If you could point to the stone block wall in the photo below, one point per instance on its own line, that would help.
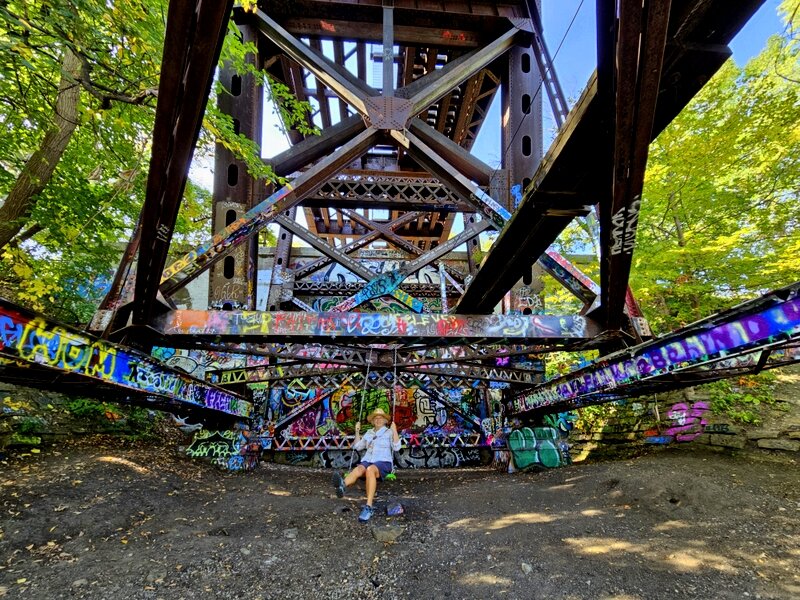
(685, 417)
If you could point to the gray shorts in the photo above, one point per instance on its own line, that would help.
(385, 467)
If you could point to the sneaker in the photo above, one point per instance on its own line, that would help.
(366, 514)
(338, 483)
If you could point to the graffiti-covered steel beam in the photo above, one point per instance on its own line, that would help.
(570, 276)
(772, 320)
(378, 380)
(194, 35)
(507, 375)
(195, 262)
(27, 337)
(264, 373)
(256, 326)
(431, 356)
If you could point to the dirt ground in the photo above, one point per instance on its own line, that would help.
(104, 521)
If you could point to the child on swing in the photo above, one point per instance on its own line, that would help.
(380, 442)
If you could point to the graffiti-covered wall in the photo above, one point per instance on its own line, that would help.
(415, 410)
(683, 418)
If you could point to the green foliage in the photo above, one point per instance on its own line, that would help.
(73, 234)
(741, 398)
(30, 426)
(719, 221)
(86, 408)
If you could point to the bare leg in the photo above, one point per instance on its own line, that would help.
(354, 475)
(372, 483)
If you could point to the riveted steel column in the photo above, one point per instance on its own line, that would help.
(231, 281)
(521, 136)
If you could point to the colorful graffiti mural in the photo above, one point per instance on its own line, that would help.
(36, 341)
(233, 450)
(326, 325)
(686, 423)
(772, 324)
(335, 412)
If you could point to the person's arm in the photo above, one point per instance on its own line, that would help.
(360, 443)
(395, 438)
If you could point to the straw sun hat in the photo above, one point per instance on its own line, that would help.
(378, 412)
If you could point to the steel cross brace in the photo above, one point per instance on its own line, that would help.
(564, 272)
(262, 373)
(335, 288)
(388, 283)
(772, 320)
(198, 260)
(399, 242)
(364, 240)
(25, 336)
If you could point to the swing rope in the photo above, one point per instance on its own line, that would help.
(363, 401)
(391, 476)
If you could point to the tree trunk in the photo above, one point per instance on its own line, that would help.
(36, 173)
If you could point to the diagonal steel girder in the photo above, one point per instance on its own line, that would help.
(573, 173)
(641, 40)
(364, 240)
(333, 253)
(426, 90)
(259, 327)
(770, 321)
(354, 266)
(343, 83)
(460, 184)
(200, 259)
(28, 337)
(194, 35)
(570, 276)
(315, 147)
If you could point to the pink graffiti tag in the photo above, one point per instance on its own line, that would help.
(687, 423)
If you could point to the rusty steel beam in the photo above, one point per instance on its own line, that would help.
(461, 185)
(428, 89)
(639, 57)
(194, 35)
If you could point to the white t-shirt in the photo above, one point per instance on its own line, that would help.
(379, 445)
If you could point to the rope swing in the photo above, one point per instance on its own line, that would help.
(363, 401)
